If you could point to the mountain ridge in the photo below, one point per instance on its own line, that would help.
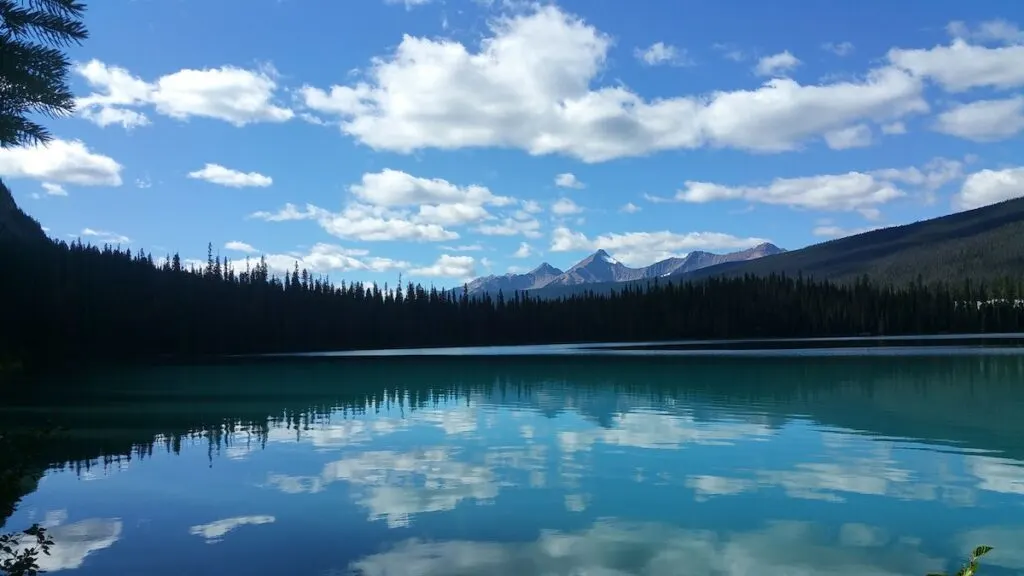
(600, 267)
(979, 245)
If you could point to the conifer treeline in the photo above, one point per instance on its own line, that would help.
(68, 302)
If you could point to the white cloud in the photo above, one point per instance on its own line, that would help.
(396, 188)
(850, 191)
(629, 208)
(72, 543)
(894, 128)
(661, 53)
(565, 207)
(962, 66)
(838, 48)
(228, 93)
(531, 206)
(989, 187)
(463, 248)
(323, 258)
(984, 120)
(612, 547)
(529, 86)
(440, 202)
(529, 227)
(106, 237)
(60, 161)
(936, 173)
(857, 136)
(998, 30)
(106, 116)
(143, 183)
(448, 266)
(643, 248)
(52, 189)
(524, 251)
(363, 222)
(240, 247)
(568, 180)
(217, 174)
(215, 531)
(776, 64)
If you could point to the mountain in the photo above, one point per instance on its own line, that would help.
(699, 259)
(598, 267)
(537, 278)
(15, 224)
(981, 244)
(601, 268)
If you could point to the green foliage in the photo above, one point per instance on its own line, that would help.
(17, 557)
(19, 552)
(33, 68)
(971, 568)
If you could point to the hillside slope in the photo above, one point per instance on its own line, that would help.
(980, 244)
(15, 224)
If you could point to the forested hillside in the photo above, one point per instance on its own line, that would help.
(982, 244)
(76, 303)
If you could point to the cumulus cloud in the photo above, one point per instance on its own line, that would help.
(394, 205)
(568, 180)
(217, 174)
(529, 86)
(617, 547)
(857, 136)
(983, 120)
(565, 207)
(629, 208)
(396, 188)
(524, 251)
(60, 161)
(72, 543)
(776, 64)
(643, 248)
(998, 30)
(363, 222)
(240, 247)
(227, 93)
(962, 66)
(52, 189)
(660, 53)
(852, 191)
(448, 266)
(323, 258)
(989, 187)
(519, 224)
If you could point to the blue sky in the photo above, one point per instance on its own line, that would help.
(445, 139)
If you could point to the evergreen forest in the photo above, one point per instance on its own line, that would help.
(75, 303)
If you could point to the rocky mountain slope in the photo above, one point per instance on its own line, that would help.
(600, 267)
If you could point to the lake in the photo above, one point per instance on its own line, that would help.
(782, 462)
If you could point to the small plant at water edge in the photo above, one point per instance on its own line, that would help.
(16, 559)
(971, 568)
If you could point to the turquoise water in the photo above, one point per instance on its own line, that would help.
(581, 464)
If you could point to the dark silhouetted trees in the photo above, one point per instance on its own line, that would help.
(76, 303)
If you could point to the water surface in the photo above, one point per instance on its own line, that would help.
(581, 464)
